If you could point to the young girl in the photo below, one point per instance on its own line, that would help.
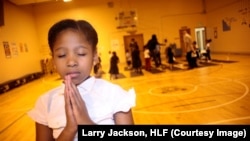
(81, 99)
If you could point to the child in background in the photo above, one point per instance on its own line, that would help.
(81, 99)
(98, 67)
(128, 59)
(194, 54)
(147, 58)
(170, 55)
(208, 56)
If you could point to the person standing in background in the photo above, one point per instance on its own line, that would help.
(188, 48)
(133, 44)
(154, 48)
(147, 58)
(128, 59)
(208, 56)
(136, 60)
(98, 66)
(170, 57)
(194, 55)
(114, 69)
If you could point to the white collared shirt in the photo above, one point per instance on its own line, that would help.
(188, 42)
(102, 98)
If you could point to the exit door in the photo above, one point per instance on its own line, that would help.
(200, 37)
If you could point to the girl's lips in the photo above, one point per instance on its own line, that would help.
(73, 74)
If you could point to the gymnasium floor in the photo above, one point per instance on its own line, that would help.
(215, 93)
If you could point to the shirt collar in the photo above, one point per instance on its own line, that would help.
(87, 84)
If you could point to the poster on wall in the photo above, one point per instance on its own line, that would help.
(14, 49)
(7, 49)
(226, 23)
(225, 26)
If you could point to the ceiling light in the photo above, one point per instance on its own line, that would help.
(67, 0)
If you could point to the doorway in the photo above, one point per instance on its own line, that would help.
(139, 39)
(200, 37)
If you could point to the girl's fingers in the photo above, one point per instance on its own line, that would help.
(76, 95)
(77, 104)
(70, 117)
(67, 95)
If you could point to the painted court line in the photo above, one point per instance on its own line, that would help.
(201, 109)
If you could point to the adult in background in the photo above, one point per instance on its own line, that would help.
(188, 48)
(154, 48)
(133, 44)
(136, 60)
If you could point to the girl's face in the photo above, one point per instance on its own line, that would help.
(73, 55)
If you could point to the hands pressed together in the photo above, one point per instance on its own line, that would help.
(75, 108)
(76, 111)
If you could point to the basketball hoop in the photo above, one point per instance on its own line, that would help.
(127, 21)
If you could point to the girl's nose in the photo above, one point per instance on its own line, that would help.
(71, 61)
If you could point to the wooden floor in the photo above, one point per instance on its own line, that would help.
(216, 94)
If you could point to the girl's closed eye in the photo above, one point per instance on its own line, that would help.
(61, 56)
(81, 54)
